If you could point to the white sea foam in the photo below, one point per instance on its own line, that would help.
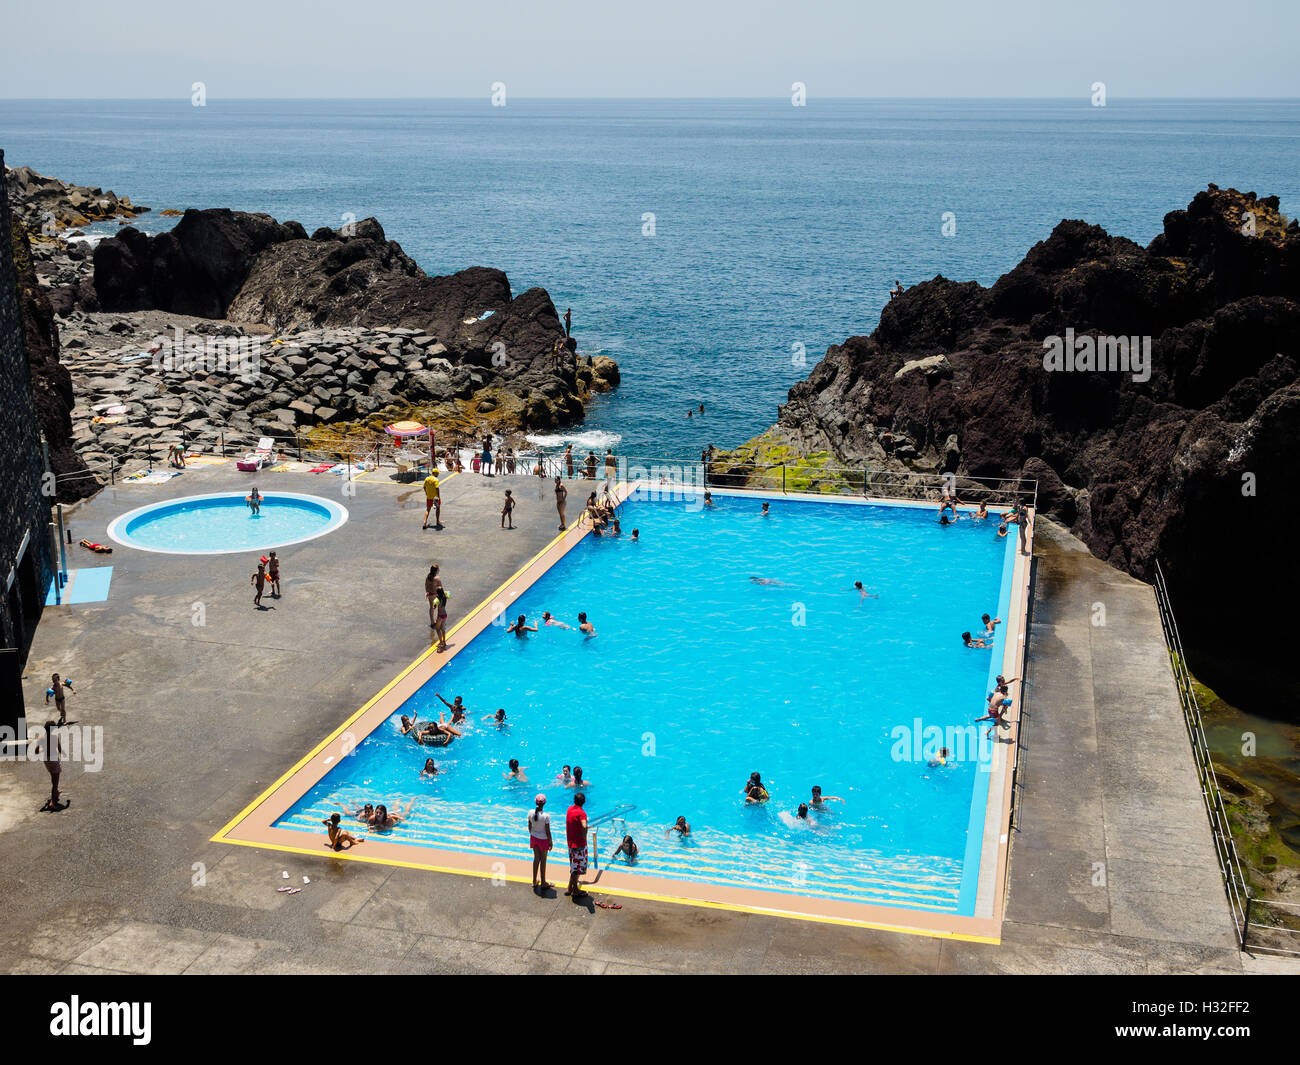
(590, 440)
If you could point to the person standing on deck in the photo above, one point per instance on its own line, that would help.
(561, 496)
(55, 691)
(539, 837)
(258, 581)
(568, 460)
(437, 596)
(575, 827)
(432, 499)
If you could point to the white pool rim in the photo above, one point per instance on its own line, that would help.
(338, 514)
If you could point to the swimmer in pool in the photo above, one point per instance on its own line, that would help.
(680, 826)
(754, 790)
(1002, 531)
(364, 813)
(498, 718)
(818, 799)
(769, 582)
(982, 513)
(708, 499)
(547, 619)
(429, 770)
(628, 849)
(585, 626)
(767, 510)
(521, 626)
(516, 772)
(454, 706)
(565, 776)
(383, 820)
(862, 592)
(945, 520)
(941, 760)
(408, 723)
(578, 783)
(989, 624)
(636, 536)
(966, 639)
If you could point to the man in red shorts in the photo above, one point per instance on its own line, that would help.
(575, 826)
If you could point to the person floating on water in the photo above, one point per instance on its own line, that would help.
(941, 760)
(863, 593)
(383, 820)
(768, 581)
(547, 619)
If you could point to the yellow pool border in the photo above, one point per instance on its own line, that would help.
(254, 825)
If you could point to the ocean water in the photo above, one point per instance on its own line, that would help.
(777, 230)
(699, 675)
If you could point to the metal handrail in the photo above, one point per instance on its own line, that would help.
(1236, 886)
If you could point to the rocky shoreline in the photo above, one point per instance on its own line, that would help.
(236, 325)
(1186, 461)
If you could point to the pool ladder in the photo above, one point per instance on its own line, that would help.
(616, 820)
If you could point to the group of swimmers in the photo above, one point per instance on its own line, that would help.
(1018, 515)
(376, 818)
(521, 628)
(985, 638)
(756, 793)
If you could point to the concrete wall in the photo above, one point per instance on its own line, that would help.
(26, 567)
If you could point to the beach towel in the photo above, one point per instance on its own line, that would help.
(322, 467)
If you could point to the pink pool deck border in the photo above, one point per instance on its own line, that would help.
(255, 825)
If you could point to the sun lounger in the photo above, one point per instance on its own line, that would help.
(260, 457)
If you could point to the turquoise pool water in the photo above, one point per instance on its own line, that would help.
(223, 522)
(698, 676)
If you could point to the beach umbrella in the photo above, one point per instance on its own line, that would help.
(402, 430)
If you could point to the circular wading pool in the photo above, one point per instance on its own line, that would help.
(221, 523)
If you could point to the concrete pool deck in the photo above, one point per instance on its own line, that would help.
(199, 719)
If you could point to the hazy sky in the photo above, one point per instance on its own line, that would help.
(392, 48)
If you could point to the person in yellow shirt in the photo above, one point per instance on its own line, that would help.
(432, 501)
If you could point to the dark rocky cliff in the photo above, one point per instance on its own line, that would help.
(1192, 467)
(50, 381)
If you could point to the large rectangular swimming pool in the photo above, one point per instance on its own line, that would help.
(701, 674)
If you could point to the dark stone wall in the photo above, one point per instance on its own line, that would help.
(26, 570)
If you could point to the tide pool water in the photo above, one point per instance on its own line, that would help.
(223, 523)
(700, 675)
